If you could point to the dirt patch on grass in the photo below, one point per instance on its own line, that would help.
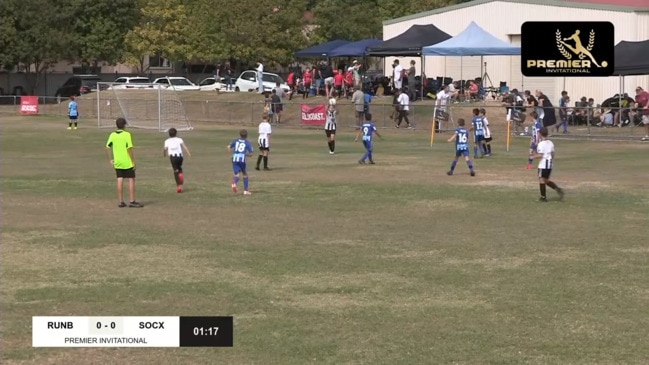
(440, 204)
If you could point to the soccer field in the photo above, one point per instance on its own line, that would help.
(329, 261)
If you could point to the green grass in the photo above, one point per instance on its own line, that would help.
(330, 262)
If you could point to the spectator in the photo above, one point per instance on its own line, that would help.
(358, 99)
(564, 112)
(356, 72)
(404, 108)
(276, 106)
(338, 83)
(642, 106)
(398, 73)
(260, 77)
(533, 103)
(279, 91)
(549, 116)
(328, 77)
(306, 83)
(319, 77)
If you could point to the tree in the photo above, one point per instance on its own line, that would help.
(164, 28)
(35, 34)
(100, 27)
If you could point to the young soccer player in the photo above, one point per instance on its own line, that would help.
(461, 138)
(368, 129)
(545, 151)
(534, 140)
(175, 148)
(241, 149)
(263, 141)
(73, 112)
(477, 127)
(487, 132)
(119, 150)
(330, 125)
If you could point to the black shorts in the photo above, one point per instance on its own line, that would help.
(488, 139)
(125, 173)
(329, 133)
(545, 173)
(277, 108)
(264, 148)
(177, 163)
(74, 117)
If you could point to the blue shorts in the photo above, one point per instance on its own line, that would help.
(462, 153)
(479, 139)
(367, 145)
(533, 146)
(74, 117)
(239, 167)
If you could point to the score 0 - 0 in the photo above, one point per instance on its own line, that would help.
(105, 325)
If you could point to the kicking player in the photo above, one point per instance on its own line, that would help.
(545, 151)
(330, 125)
(487, 132)
(241, 149)
(73, 112)
(477, 127)
(263, 141)
(175, 148)
(534, 141)
(368, 129)
(461, 138)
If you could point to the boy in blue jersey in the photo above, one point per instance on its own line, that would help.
(367, 130)
(536, 138)
(478, 129)
(241, 149)
(73, 112)
(461, 138)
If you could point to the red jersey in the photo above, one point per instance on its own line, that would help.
(307, 78)
(290, 78)
(642, 100)
(349, 78)
(338, 79)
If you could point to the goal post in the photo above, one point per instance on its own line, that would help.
(147, 106)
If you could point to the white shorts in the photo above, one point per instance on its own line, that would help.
(329, 81)
(645, 119)
(397, 84)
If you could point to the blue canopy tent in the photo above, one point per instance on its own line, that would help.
(321, 50)
(473, 41)
(354, 49)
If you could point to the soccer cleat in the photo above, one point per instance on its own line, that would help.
(487, 155)
(234, 187)
(561, 193)
(331, 152)
(266, 169)
(645, 138)
(181, 178)
(134, 205)
(361, 162)
(75, 128)
(529, 167)
(69, 128)
(179, 189)
(472, 173)
(372, 163)
(257, 168)
(122, 205)
(543, 199)
(449, 173)
(246, 192)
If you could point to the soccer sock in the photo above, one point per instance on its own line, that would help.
(475, 151)
(369, 155)
(75, 124)
(177, 178)
(245, 183)
(470, 164)
(259, 160)
(265, 162)
(552, 185)
(542, 188)
(329, 143)
(236, 180)
(365, 156)
(453, 164)
(530, 160)
(489, 148)
(70, 124)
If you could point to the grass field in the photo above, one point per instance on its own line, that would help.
(330, 262)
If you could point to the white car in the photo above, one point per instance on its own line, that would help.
(210, 84)
(138, 82)
(177, 82)
(247, 81)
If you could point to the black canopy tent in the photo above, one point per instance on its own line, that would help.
(631, 58)
(409, 44)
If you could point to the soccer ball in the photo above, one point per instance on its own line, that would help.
(332, 101)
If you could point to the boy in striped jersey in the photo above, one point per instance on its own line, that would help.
(330, 124)
(487, 132)
(534, 141)
(174, 147)
(265, 131)
(241, 149)
(545, 151)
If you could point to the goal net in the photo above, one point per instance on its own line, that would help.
(147, 106)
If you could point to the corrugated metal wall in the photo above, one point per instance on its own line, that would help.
(504, 21)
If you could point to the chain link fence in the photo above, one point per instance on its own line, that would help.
(593, 123)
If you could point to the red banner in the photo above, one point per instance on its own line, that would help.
(28, 105)
(314, 114)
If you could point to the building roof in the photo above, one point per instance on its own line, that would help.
(629, 6)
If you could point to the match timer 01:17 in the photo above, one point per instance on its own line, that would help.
(132, 331)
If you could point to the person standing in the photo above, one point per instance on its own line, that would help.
(356, 72)
(265, 130)
(404, 108)
(358, 99)
(398, 75)
(328, 77)
(73, 112)
(119, 150)
(461, 138)
(276, 106)
(367, 130)
(642, 104)
(175, 148)
(260, 77)
(545, 151)
(330, 125)
(564, 105)
(241, 149)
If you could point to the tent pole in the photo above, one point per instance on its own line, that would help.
(423, 70)
(461, 73)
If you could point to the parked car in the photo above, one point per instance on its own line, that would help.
(247, 81)
(210, 84)
(178, 83)
(137, 82)
(77, 85)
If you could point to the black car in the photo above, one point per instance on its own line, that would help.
(77, 85)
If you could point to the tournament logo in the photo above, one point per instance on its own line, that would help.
(576, 49)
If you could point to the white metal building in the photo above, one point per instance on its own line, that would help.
(503, 19)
